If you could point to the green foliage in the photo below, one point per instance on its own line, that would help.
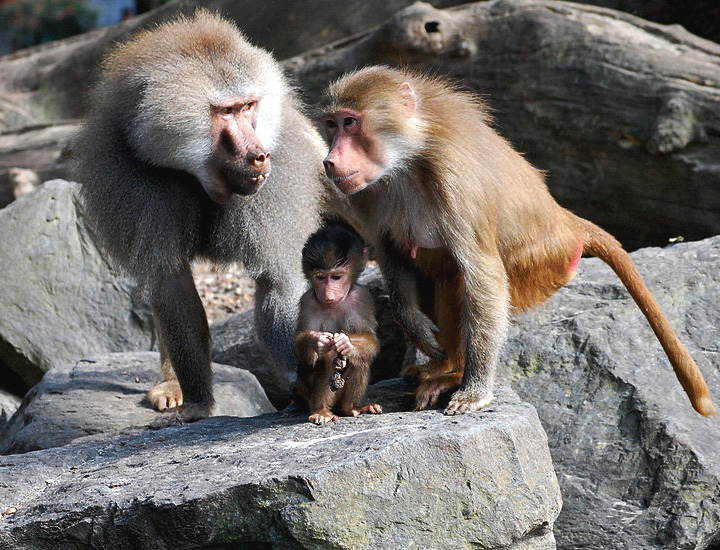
(32, 22)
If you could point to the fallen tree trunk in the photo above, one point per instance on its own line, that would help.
(700, 17)
(622, 113)
(33, 155)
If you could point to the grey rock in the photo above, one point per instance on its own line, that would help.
(234, 343)
(638, 467)
(9, 403)
(106, 394)
(397, 480)
(61, 300)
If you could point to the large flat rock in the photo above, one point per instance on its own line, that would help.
(397, 480)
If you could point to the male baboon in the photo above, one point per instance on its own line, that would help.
(175, 164)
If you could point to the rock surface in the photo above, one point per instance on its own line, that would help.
(397, 480)
(638, 468)
(9, 403)
(106, 394)
(60, 300)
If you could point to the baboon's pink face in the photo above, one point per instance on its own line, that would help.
(239, 163)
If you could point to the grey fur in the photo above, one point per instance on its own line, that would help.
(151, 211)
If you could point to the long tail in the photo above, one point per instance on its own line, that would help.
(604, 246)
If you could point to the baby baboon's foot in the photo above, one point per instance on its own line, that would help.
(372, 408)
(464, 401)
(430, 390)
(166, 395)
(323, 416)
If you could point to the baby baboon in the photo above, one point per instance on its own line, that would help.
(336, 341)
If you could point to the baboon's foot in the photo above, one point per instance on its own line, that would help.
(372, 408)
(323, 416)
(166, 395)
(464, 401)
(430, 390)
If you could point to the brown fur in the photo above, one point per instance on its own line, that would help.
(491, 237)
(354, 316)
(314, 373)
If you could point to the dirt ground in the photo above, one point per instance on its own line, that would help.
(223, 291)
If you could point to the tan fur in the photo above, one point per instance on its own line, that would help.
(441, 302)
(482, 214)
(604, 246)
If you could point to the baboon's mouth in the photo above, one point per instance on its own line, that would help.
(259, 178)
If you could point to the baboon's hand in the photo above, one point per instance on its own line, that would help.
(342, 344)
